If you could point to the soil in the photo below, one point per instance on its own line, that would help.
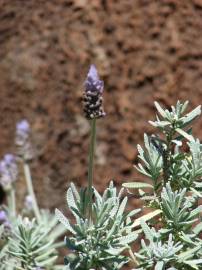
(144, 50)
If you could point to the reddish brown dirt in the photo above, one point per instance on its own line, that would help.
(144, 50)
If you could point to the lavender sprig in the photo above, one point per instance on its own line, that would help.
(4, 219)
(22, 140)
(93, 95)
(93, 109)
(28, 203)
(8, 171)
(8, 176)
(25, 151)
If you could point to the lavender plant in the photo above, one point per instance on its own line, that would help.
(102, 228)
(100, 234)
(173, 187)
(28, 237)
(99, 244)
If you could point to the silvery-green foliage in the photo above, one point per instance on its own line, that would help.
(175, 118)
(151, 161)
(99, 243)
(157, 253)
(3, 250)
(32, 244)
(180, 211)
(173, 186)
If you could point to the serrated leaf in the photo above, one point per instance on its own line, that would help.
(70, 199)
(64, 220)
(125, 240)
(122, 207)
(147, 231)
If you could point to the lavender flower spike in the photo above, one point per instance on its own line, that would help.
(22, 132)
(8, 171)
(3, 216)
(4, 219)
(22, 140)
(28, 202)
(93, 95)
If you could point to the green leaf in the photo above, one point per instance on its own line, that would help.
(146, 217)
(194, 263)
(125, 240)
(160, 110)
(191, 116)
(198, 228)
(147, 231)
(159, 265)
(185, 134)
(64, 220)
(137, 185)
(188, 254)
(122, 207)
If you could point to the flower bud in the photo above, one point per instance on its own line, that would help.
(28, 202)
(4, 220)
(93, 95)
(23, 141)
(8, 171)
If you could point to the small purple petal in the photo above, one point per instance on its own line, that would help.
(3, 216)
(93, 83)
(23, 126)
(92, 73)
(9, 158)
(7, 224)
(8, 170)
(28, 202)
(23, 141)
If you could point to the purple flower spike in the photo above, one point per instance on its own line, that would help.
(93, 83)
(9, 158)
(3, 216)
(28, 202)
(4, 220)
(8, 171)
(23, 126)
(93, 73)
(22, 140)
(93, 95)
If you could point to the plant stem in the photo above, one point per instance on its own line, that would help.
(11, 201)
(132, 256)
(167, 157)
(90, 166)
(31, 191)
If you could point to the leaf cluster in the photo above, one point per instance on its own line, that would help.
(99, 243)
(171, 160)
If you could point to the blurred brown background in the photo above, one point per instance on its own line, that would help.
(145, 50)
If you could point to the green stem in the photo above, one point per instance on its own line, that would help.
(132, 256)
(90, 166)
(11, 201)
(167, 156)
(31, 191)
